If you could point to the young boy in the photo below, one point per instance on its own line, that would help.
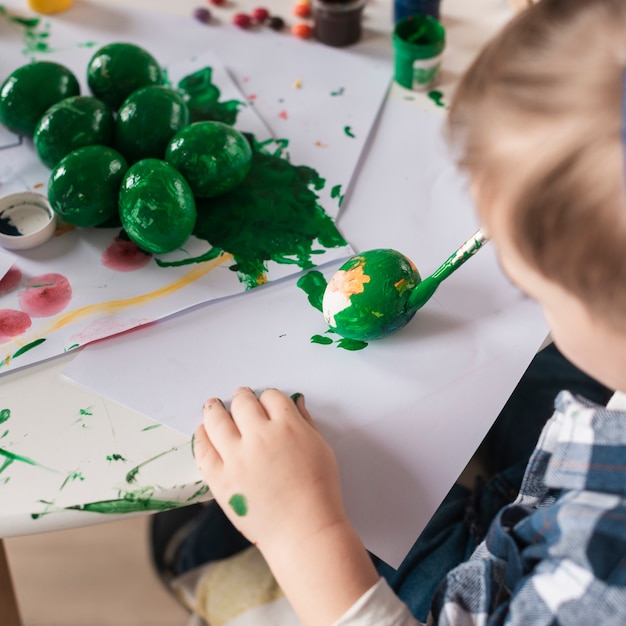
(539, 124)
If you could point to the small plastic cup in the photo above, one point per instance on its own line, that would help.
(406, 8)
(419, 42)
(337, 22)
(26, 220)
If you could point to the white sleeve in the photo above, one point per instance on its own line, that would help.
(378, 605)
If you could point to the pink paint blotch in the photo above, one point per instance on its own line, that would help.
(45, 295)
(12, 324)
(10, 280)
(124, 256)
(283, 115)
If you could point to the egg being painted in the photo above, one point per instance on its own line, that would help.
(157, 207)
(214, 157)
(84, 186)
(118, 69)
(368, 297)
(71, 124)
(30, 90)
(147, 120)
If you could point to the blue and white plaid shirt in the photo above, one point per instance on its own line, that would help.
(557, 555)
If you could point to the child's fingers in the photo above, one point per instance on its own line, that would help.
(298, 398)
(206, 456)
(219, 425)
(246, 409)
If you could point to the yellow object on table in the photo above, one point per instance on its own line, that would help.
(50, 6)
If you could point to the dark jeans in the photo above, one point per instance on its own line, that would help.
(462, 519)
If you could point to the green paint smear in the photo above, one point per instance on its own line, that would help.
(5, 414)
(335, 192)
(202, 98)
(322, 340)
(348, 131)
(130, 503)
(10, 457)
(314, 285)
(87, 411)
(202, 491)
(238, 504)
(147, 428)
(115, 457)
(274, 215)
(437, 98)
(27, 347)
(72, 476)
(339, 92)
(351, 344)
(131, 476)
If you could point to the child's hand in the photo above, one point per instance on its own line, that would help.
(269, 468)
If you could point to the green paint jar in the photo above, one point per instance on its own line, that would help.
(157, 207)
(31, 90)
(213, 157)
(84, 186)
(419, 42)
(118, 69)
(147, 121)
(368, 297)
(71, 124)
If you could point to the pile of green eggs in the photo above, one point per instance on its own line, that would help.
(128, 152)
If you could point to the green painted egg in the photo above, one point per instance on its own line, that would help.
(84, 186)
(118, 69)
(212, 156)
(368, 297)
(147, 120)
(71, 124)
(31, 90)
(157, 207)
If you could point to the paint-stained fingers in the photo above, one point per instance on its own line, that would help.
(246, 409)
(207, 458)
(298, 399)
(219, 425)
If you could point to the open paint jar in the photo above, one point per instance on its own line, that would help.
(337, 22)
(406, 8)
(26, 220)
(418, 41)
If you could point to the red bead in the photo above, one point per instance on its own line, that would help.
(218, 3)
(242, 20)
(260, 15)
(302, 30)
(302, 9)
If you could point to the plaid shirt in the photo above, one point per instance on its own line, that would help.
(557, 555)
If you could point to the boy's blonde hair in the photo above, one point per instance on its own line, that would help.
(538, 121)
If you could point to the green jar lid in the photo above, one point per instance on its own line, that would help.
(31, 90)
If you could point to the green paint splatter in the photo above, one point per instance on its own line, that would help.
(437, 98)
(351, 344)
(198, 494)
(338, 92)
(130, 503)
(87, 411)
(238, 504)
(27, 347)
(4, 434)
(72, 476)
(5, 414)
(322, 340)
(202, 98)
(335, 192)
(10, 457)
(348, 131)
(274, 215)
(131, 476)
(313, 284)
(115, 457)
(147, 428)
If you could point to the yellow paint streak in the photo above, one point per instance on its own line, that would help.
(113, 306)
